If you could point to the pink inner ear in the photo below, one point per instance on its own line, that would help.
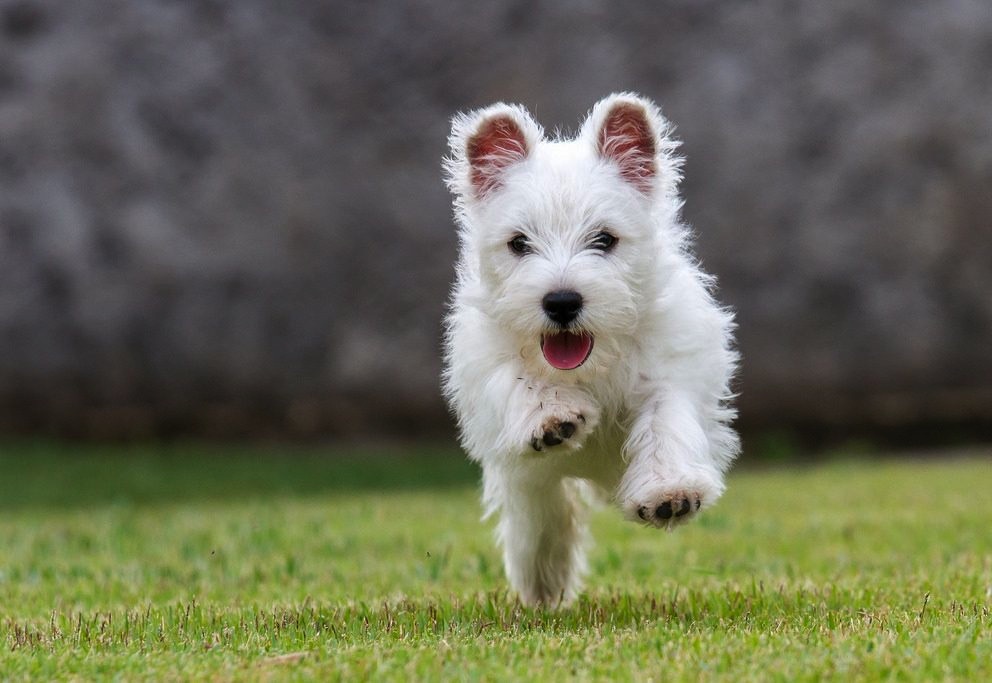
(498, 144)
(627, 140)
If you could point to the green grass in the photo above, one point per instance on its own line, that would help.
(199, 562)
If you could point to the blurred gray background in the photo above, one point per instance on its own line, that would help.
(226, 218)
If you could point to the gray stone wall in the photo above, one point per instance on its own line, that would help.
(226, 217)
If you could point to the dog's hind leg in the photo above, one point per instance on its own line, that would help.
(542, 532)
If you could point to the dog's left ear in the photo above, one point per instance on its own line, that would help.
(629, 131)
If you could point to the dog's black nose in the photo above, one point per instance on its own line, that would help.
(562, 306)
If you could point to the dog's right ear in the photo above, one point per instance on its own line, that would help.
(485, 145)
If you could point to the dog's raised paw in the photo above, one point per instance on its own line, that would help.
(675, 508)
(557, 430)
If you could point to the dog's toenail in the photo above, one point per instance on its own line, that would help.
(665, 510)
(684, 508)
(550, 439)
(642, 514)
(566, 430)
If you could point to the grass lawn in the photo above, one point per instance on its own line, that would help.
(206, 562)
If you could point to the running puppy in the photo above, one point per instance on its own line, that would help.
(584, 350)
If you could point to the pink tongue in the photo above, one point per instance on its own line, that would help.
(566, 351)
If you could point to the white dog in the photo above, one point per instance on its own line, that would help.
(584, 351)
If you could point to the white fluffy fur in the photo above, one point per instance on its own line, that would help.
(653, 395)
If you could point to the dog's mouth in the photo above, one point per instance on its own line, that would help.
(566, 350)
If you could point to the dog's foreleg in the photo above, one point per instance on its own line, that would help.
(523, 432)
(671, 473)
(506, 416)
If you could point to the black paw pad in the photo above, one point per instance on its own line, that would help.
(664, 510)
(566, 430)
(551, 439)
(683, 508)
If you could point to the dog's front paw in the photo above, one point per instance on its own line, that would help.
(665, 505)
(560, 426)
(670, 508)
(555, 431)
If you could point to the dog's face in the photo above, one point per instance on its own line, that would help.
(562, 234)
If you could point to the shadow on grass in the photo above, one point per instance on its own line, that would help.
(52, 474)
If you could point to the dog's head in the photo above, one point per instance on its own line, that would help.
(561, 239)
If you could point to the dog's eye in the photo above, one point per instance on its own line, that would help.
(519, 245)
(603, 241)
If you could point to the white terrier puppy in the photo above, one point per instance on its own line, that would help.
(584, 351)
